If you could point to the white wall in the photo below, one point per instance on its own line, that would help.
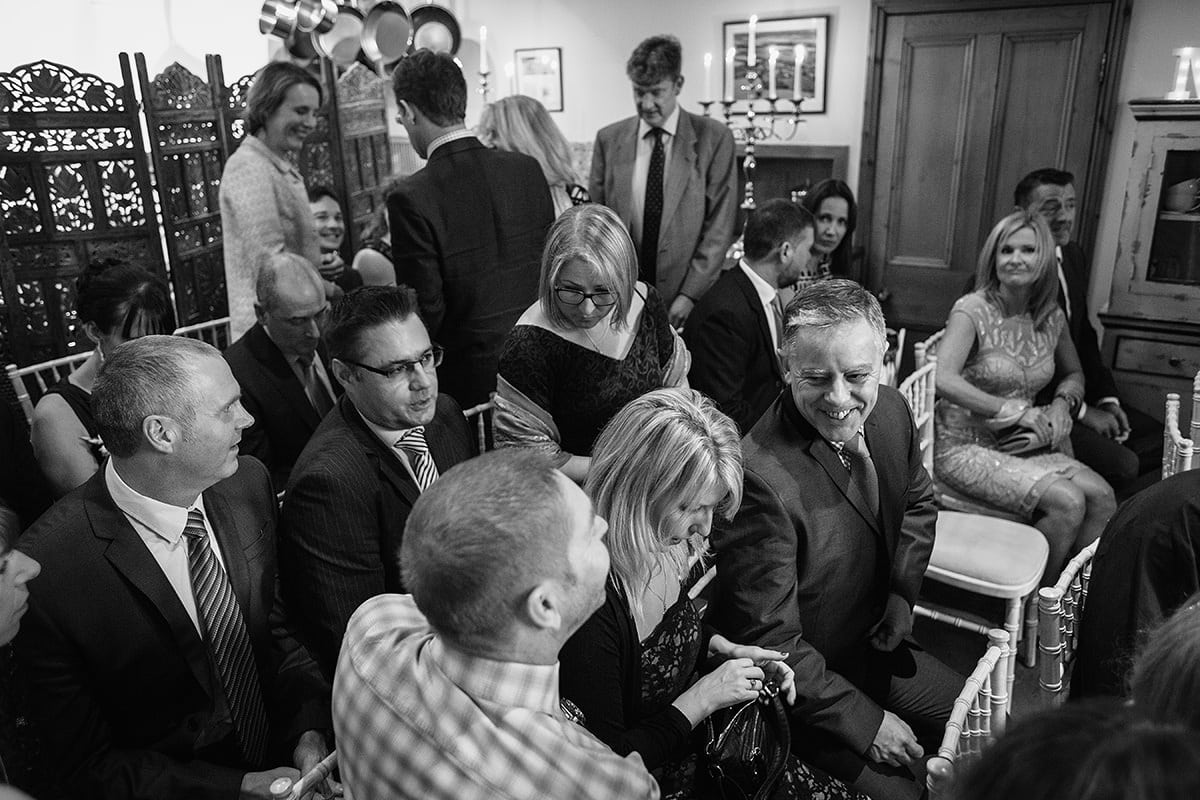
(1156, 28)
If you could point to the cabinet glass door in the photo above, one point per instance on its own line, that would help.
(1175, 247)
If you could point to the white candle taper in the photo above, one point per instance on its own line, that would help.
(796, 73)
(707, 77)
(772, 61)
(483, 59)
(729, 74)
(750, 59)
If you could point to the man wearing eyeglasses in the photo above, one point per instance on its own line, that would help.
(388, 438)
(284, 373)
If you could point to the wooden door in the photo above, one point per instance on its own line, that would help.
(968, 102)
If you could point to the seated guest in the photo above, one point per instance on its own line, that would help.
(373, 261)
(452, 691)
(1004, 342)
(331, 232)
(596, 339)
(520, 124)
(16, 570)
(286, 383)
(387, 439)
(836, 214)
(1146, 565)
(24, 490)
(158, 663)
(825, 558)
(734, 332)
(114, 302)
(1165, 683)
(662, 468)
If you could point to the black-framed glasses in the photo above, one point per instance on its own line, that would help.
(430, 359)
(574, 297)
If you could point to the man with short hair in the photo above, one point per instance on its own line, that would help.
(669, 174)
(160, 660)
(736, 329)
(1102, 436)
(825, 557)
(451, 693)
(286, 383)
(388, 439)
(467, 229)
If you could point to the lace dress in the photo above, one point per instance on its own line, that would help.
(1014, 360)
(669, 655)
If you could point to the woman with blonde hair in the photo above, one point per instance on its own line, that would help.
(595, 339)
(642, 670)
(521, 124)
(1004, 342)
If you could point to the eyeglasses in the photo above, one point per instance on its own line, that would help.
(574, 297)
(430, 359)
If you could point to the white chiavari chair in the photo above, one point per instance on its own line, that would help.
(481, 417)
(1060, 609)
(42, 376)
(215, 332)
(1177, 450)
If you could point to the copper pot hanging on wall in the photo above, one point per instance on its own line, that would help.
(387, 32)
(316, 15)
(342, 43)
(277, 18)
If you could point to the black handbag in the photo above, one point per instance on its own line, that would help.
(746, 748)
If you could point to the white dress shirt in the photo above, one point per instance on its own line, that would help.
(389, 439)
(766, 295)
(641, 167)
(160, 525)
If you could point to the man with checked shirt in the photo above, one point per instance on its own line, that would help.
(452, 691)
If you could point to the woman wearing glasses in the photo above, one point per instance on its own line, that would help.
(596, 339)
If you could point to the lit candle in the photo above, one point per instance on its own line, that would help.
(796, 73)
(483, 60)
(1183, 65)
(707, 77)
(729, 74)
(510, 73)
(750, 60)
(772, 60)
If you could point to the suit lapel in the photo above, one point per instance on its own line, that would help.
(129, 556)
(390, 468)
(622, 158)
(824, 455)
(760, 315)
(437, 436)
(683, 158)
(891, 464)
(224, 526)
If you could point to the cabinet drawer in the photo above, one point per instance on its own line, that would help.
(1156, 357)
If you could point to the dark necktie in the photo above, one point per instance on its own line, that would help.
(777, 312)
(225, 629)
(854, 457)
(413, 443)
(313, 388)
(652, 209)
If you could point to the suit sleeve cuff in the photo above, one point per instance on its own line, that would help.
(1104, 401)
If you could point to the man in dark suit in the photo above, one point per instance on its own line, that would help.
(670, 176)
(159, 658)
(735, 330)
(467, 230)
(353, 486)
(1117, 442)
(285, 378)
(826, 555)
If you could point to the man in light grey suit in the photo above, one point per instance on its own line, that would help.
(670, 176)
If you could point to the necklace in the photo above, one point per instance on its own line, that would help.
(588, 333)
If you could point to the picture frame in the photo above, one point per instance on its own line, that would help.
(539, 75)
(785, 34)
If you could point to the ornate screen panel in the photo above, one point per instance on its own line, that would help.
(365, 149)
(74, 187)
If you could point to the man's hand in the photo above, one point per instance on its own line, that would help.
(681, 307)
(257, 785)
(1059, 417)
(1101, 421)
(310, 750)
(895, 625)
(1122, 419)
(894, 743)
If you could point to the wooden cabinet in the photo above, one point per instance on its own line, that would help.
(1152, 328)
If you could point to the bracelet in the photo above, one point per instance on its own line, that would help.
(1011, 411)
(1073, 401)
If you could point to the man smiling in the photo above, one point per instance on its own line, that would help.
(825, 557)
(387, 439)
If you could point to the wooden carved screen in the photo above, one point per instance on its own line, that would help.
(185, 124)
(365, 149)
(74, 188)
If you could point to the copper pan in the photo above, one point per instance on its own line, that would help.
(387, 32)
(343, 42)
(277, 18)
(316, 15)
(435, 28)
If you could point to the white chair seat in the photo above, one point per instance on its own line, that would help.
(988, 556)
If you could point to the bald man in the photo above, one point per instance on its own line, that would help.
(286, 383)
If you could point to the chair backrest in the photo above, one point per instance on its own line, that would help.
(1177, 451)
(893, 357)
(1060, 610)
(923, 351)
(979, 715)
(481, 415)
(919, 389)
(215, 331)
(30, 383)
(1195, 426)
(289, 789)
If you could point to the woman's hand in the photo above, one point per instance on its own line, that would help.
(735, 681)
(331, 265)
(1059, 417)
(770, 661)
(781, 675)
(1035, 420)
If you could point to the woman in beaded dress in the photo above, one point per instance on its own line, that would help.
(643, 670)
(596, 339)
(1004, 343)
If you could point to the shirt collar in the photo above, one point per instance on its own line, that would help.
(165, 520)
(445, 138)
(280, 163)
(766, 292)
(388, 436)
(670, 126)
(505, 683)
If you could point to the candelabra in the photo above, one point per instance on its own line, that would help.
(748, 129)
(483, 85)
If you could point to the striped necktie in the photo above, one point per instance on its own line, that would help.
(227, 640)
(413, 443)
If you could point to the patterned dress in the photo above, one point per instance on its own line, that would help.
(1012, 359)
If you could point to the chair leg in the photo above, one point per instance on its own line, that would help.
(1029, 641)
(1013, 611)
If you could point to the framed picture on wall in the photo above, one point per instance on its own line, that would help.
(539, 75)
(802, 47)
